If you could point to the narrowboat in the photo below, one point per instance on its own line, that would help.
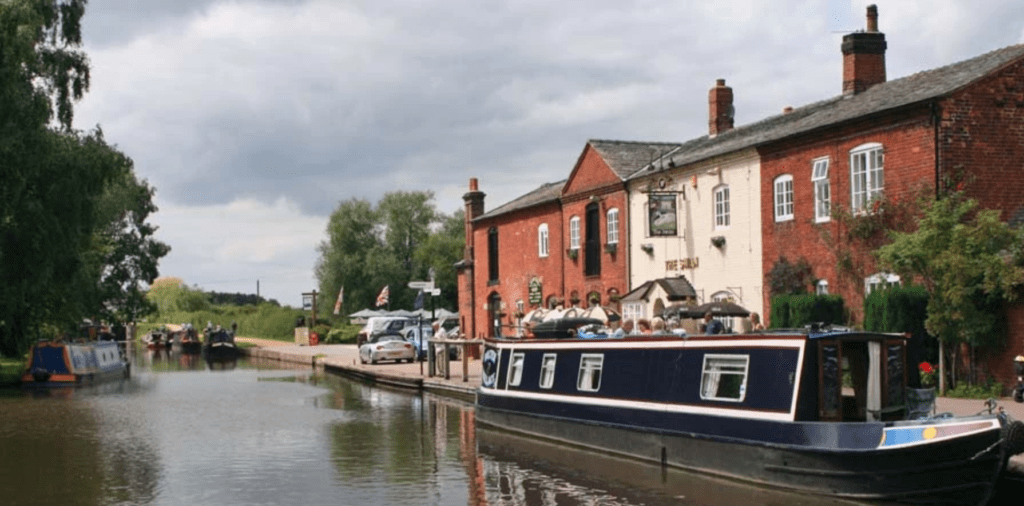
(219, 344)
(187, 339)
(820, 411)
(60, 363)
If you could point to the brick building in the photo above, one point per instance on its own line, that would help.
(566, 239)
(787, 179)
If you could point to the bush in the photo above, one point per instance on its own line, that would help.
(792, 311)
(965, 391)
(343, 334)
(266, 321)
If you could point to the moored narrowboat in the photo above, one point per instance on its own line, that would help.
(59, 363)
(823, 412)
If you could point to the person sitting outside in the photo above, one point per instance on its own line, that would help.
(755, 323)
(676, 328)
(711, 325)
(624, 330)
(658, 326)
(644, 326)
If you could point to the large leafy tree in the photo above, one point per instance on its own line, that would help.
(968, 260)
(65, 235)
(396, 241)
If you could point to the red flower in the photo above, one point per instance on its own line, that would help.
(925, 367)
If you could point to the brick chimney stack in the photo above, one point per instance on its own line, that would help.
(720, 110)
(864, 56)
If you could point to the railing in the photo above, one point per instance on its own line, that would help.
(443, 362)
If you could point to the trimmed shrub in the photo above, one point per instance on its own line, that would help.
(793, 311)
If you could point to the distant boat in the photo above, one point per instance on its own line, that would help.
(187, 339)
(59, 363)
(770, 408)
(157, 338)
(219, 344)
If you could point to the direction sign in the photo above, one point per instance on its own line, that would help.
(426, 286)
(435, 292)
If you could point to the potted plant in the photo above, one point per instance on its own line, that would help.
(573, 253)
(611, 248)
(921, 401)
(718, 241)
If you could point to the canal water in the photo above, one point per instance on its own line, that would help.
(184, 432)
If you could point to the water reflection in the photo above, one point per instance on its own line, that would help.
(265, 432)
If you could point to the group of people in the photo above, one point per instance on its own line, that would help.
(673, 326)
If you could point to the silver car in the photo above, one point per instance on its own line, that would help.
(387, 347)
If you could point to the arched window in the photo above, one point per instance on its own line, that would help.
(613, 226)
(721, 210)
(867, 176)
(542, 240)
(784, 198)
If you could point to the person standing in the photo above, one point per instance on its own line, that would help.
(755, 322)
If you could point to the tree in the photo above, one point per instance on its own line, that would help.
(69, 246)
(969, 262)
(369, 247)
(440, 252)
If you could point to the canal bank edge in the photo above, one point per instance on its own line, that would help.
(343, 359)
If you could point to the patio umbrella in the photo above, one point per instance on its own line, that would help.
(535, 315)
(605, 314)
(722, 308)
(681, 311)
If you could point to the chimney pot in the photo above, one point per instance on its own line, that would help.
(473, 185)
(787, 109)
(720, 109)
(864, 56)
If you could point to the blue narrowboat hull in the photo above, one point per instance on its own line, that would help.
(650, 399)
(58, 363)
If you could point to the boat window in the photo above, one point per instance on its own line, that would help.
(724, 378)
(590, 373)
(547, 370)
(515, 369)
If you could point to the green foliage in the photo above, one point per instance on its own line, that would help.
(171, 295)
(897, 309)
(788, 278)
(969, 262)
(342, 334)
(73, 238)
(266, 321)
(397, 241)
(780, 312)
(797, 310)
(966, 391)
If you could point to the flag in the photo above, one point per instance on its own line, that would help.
(382, 299)
(419, 301)
(341, 297)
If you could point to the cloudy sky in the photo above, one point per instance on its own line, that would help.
(254, 119)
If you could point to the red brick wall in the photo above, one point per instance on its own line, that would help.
(518, 260)
(907, 140)
(983, 134)
(998, 363)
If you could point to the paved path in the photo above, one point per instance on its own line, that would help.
(344, 359)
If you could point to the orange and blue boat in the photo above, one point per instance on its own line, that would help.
(54, 363)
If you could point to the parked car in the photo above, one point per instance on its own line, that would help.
(386, 347)
(381, 325)
(412, 335)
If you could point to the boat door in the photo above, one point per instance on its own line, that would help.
(861, 377)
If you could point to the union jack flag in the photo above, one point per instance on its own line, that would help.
(382, 299)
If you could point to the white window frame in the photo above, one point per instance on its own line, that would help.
(543, 246)
(612, 221)
(867, 176)
(634, 311)
(721, 210)
(718, 365)
(574, 232)
(589, 379)
(547, 370)
(822, 190)
(515, 369)
(784, 197)
(880, 280)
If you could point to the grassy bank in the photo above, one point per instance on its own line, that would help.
(265, 321)
(10, 371)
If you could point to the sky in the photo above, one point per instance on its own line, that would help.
(255, 119)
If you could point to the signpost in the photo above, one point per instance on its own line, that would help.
(426, 287)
